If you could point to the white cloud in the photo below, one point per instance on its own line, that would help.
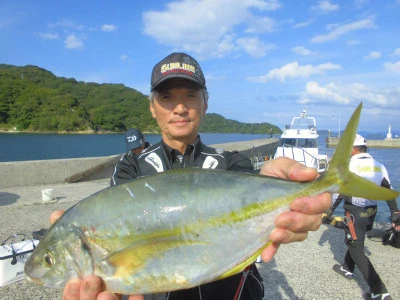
(314, 91)
(207, 28)
(123, 57)
(360, 3)
(72, 42)
(303, 24)
(254, 46)
(66, 23)
(293, 70)
(350, 93)
(300, 50)
(373, 55)
(108, 27)
(392, 67)
(325, 6)
(260, 25)
(336, 32)
(352, 42)
(48, 36)
(397, 51)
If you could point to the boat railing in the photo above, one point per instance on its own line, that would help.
(314, 160)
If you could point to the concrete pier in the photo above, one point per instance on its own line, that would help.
(386, 143)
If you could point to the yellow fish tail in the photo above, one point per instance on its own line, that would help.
(340, 178)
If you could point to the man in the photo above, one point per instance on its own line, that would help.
(360, 215)
(178, 102)
(135, 141)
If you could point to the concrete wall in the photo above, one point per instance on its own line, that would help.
(386, 143)
(33, 172)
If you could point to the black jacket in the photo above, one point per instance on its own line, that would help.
(160, 157)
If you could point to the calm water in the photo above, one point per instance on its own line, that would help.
(20, 147)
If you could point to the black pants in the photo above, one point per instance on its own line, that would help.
(363, 218)
(225, 289)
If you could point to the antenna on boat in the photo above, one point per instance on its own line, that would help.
(304, 113)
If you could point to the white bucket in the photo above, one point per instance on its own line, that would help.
(47, 195)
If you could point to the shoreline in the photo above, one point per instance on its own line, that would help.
(56, 132)
(332, 142)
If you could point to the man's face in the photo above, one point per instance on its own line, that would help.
(179, 107)
(137, 151)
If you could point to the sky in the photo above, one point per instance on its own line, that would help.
(264, 60)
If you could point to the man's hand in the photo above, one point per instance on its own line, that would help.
(89, 288)
(396, 221)
(305, 212)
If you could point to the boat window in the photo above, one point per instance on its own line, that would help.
(307, 143)
(289, 142)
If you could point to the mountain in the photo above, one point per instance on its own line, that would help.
(34, 99)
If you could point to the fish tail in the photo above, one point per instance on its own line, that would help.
(341, 179)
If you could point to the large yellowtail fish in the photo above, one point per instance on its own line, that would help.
(180, 228)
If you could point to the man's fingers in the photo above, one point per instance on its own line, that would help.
(312, 205)
(298, 222)
(55, 215)
(91, 287)
(72, 289)
(269, 252)
(136, 297)
(287, 168)
(284, 236)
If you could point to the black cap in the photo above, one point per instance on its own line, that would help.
(177, 65)
(133, 138)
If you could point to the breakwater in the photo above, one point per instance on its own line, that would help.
(38, 172)
(386, 143)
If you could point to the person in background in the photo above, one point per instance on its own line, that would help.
(360, 215)
(135, 141)
(178, 102)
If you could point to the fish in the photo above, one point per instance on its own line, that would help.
(183, 227)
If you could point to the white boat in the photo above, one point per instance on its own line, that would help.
(299, 141)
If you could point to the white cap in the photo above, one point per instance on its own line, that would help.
(359, 141)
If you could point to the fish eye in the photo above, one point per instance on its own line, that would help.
(48, 260)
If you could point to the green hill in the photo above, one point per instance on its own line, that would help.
(34, 99)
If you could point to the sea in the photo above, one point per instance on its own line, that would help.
(37, 146)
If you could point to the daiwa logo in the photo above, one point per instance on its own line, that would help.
(131, 138)
(210, 163)
(154, 160)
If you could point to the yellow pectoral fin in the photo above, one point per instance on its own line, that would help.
(133, 259)
(239, 268)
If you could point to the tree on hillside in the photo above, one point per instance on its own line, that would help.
(32, 98)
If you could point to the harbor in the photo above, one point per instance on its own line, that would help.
(388, 142)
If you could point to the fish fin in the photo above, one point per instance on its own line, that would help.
(239, 268)
(342, 179)
(361, 187)
(133, 259)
